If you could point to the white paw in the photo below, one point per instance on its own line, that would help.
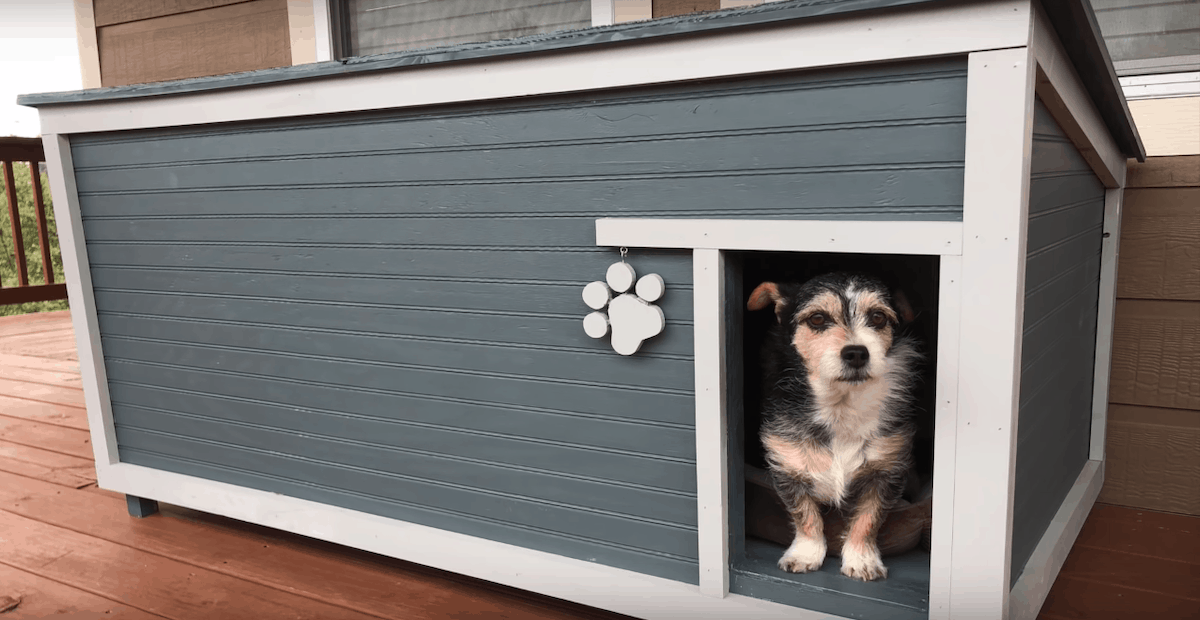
(631, 316)
(862, 563)
(804, 556)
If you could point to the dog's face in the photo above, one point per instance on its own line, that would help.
(842, 325)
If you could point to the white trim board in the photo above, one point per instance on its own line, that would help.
(945, 433)
(1105, 318)
(712, 436)
(1164, 86)
(1048, 557)
(588, 583)
(999, 145)
(844, 236)
(919, 32)
(323, 26)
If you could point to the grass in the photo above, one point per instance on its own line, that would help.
(33, 252)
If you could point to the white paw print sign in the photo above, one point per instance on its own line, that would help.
(632, 317)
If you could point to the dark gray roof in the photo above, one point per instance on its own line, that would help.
(1072, 19)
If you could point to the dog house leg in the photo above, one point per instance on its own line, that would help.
(140, 507)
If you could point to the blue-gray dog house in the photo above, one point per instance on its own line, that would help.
(344, 299)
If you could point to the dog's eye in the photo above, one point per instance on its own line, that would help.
(878, 319)
(816, 320)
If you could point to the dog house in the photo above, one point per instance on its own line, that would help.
(346, 299)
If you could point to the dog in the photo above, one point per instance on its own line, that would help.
(837, 380)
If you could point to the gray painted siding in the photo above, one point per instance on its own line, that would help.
(1062, 289)
(382, 311)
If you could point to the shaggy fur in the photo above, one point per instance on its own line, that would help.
(837, 379)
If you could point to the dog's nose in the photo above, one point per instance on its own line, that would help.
(855, 356)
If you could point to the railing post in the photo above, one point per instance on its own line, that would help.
(15, 214)
(35, 177)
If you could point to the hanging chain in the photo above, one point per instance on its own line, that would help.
(624, 251)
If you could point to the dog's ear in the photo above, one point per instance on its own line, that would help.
(766, 294)
(903, 308)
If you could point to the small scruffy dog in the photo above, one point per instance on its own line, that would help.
(837, 379)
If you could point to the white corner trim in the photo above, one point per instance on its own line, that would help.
(944, 436)
(995, 221)
(603, 13)
(85, 38)
(1167, 85)
(849, 236)
(1062, 91)
(1051, 552)
(79, 294)
(302, 31)
(1109, 257)
(937, 29)
(323, 27)
(712, 440)
(588, 583)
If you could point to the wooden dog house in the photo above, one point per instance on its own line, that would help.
(344, 299)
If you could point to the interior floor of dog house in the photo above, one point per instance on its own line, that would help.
(904, 593)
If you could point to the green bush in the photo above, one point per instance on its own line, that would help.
(29, 233)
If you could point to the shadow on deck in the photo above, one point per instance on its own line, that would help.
(69, 549)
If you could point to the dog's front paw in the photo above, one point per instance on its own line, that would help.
(864, 564)
(804, 556)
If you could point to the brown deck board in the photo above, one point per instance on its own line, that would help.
(41, 598)
(8, 360)
(52, 394)
(36, 411)
(59, 469)
(53, 378)
(46, 436)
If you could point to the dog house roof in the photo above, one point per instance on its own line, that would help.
(1073, 21)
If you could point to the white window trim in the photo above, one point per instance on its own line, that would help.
(323, 25)
(1162, 86)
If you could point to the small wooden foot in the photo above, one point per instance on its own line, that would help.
(140, 507)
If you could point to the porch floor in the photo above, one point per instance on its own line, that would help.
(68, 548)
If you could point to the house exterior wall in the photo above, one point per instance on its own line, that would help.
(382, 311)
(1153, 445)
(138, 42)
(1062, 288)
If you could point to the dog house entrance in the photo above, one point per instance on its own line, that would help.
(760, 529)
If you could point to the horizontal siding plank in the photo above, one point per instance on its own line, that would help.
(426, 455)
(1057, 157)
(1153, 459)
(530, 297)
(472, 357)
(934, 91)
(109, 12)
(487, 526)
(1160, 231)
(251, 35)
(487, 264)
(660, 456)
(1178, 171)
(1156, 354)
(187, 366)
(883, 147)
(931, 193)
(673, 540)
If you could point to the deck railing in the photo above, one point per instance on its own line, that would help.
(27, 151)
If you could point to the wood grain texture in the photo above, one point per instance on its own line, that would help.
(109, 12)
(66, 441)
(1180, 171)
(276, 561)
(671, 8)
(1153, 459)
(226, 39)
(1156, 354)
(70, 416)
(1168, 126)
(60, 469)
(39, 598)
(1159, 239)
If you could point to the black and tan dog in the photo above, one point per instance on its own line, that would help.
(837, 376)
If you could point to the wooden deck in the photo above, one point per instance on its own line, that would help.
(69, 549)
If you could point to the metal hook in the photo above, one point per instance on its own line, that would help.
(624, 251)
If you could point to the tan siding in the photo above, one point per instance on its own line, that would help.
(1153, 459)
(1160, 244)
(227, 39)
(1168, 126)
(1153, 447)
(109, 12)
(671, 8)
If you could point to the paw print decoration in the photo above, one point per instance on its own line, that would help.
(632, 316)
